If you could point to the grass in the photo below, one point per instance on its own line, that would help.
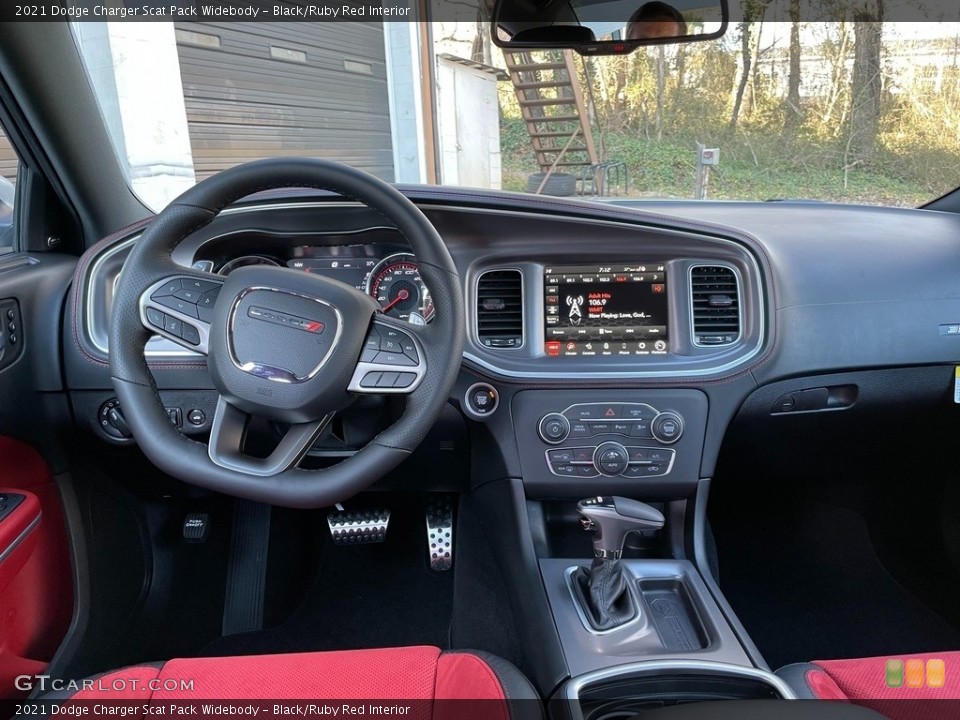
(751, 168)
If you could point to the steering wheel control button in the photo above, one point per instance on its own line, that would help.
(408, 347)
(168, 288)
(611, 458)
(190, 334)
(172, 325)
(189, 295)
(393, 358)
(405, 379)
(206, 304)
(373, 340)
(481, 400)
(155, 318)
(185, 299)
(387, 379)
(200, 286)
(667, 427)
(371, 379)
(181, 306)
(553, 428)
(389, 351)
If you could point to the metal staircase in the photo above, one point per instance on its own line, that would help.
(554, 110)
(559, 120)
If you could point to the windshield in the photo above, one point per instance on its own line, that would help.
(842, 112)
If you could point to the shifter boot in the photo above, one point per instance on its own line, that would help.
(602, 592)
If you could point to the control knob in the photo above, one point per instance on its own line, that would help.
(553, 428)
(610, 458)
(667, 427)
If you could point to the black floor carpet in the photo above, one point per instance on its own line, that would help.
(362, 596)
(808, 585)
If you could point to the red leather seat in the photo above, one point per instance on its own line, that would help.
(899, 696)
(414, 674)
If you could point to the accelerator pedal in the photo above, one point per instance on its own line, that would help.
(440, 532)
(358, 527)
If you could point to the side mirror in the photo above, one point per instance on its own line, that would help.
(605, 27)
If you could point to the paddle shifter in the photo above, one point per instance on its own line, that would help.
(602, 588)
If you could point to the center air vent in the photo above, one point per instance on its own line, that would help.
(716, 305)
(500, 309)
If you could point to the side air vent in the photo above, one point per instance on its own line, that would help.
(716, 305)
(500, 309)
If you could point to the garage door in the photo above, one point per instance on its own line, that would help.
(255, 90)
(8, 159)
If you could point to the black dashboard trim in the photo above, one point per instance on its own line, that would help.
(477, 356)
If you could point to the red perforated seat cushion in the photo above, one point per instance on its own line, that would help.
(865, 681)
(424, 675)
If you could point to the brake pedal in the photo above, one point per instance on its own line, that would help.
(440, 532)
(358, 527)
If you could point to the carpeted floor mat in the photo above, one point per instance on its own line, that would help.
(362, 596)
(807, 584)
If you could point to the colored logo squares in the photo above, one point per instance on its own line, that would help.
(915, 673)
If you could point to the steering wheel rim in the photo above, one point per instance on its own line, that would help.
(150, 264)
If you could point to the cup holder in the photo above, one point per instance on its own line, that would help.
(625, 691)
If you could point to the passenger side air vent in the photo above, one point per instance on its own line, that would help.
(716, 305)
(500, 309)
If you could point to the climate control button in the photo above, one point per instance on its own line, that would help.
(611, 458)
(553, 428)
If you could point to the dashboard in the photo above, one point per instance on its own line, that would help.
(581, 301)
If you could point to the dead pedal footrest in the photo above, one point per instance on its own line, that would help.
(357, 527)
(440, 533)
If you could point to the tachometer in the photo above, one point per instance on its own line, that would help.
(395, 283)
(245, 261)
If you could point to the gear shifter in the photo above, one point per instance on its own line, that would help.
(602, 588)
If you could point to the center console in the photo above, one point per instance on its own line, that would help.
(636, 443)
(639, 623)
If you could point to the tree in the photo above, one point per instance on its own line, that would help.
(866, 84)
(793, 112)
(746, 61)
(752, 10)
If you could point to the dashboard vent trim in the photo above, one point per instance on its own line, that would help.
(715, 305)
(498, 309)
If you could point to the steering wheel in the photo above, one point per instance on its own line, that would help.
(282, 344)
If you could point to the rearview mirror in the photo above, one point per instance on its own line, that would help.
(605, 27)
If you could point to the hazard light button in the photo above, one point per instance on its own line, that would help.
(610, 411)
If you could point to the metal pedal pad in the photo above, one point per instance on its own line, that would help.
(440, 532)
(357, 527)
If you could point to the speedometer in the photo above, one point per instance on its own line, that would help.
(395, 283)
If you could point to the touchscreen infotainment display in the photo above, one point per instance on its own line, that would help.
(606, 310)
